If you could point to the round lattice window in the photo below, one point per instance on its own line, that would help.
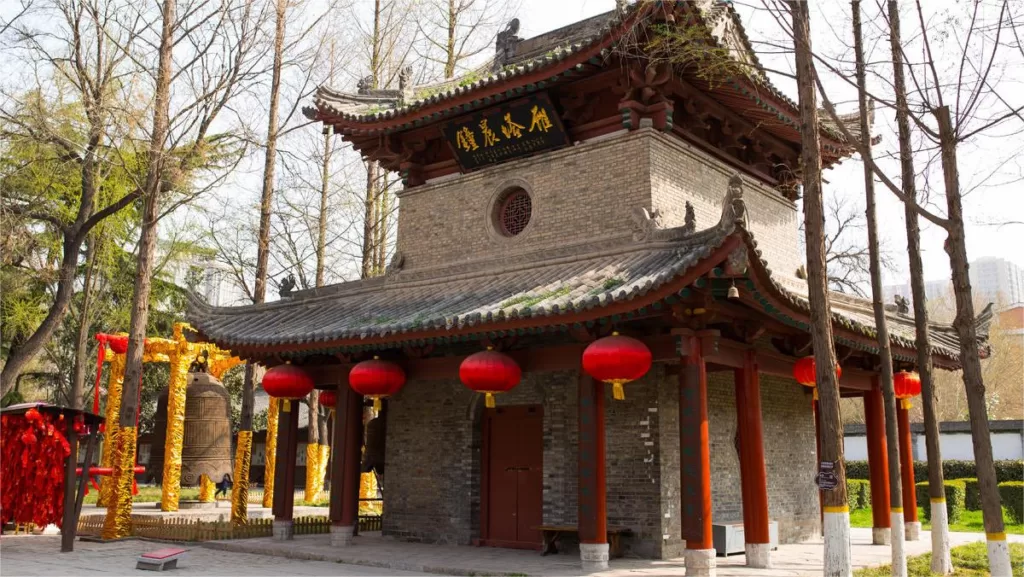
(514, 212)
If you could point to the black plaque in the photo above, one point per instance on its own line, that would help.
(512, 130)
(827, 480)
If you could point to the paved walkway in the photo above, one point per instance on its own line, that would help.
(374, 551)
(32, 556)
(373, 555)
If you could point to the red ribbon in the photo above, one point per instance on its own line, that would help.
(101, 355)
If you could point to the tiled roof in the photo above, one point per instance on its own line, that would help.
(403, 306)
(391, 306)
(547, 50)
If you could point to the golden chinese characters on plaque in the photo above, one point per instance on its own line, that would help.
(512, 130)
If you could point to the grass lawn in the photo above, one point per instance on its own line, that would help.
(969, 560)
(970, 522)
(146, 495)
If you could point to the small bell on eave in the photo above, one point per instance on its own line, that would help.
(734, 293)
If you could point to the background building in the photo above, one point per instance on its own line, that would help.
(992, 279)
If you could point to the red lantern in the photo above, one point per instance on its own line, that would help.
(287, 382)
(376, 379)
(805, 373)
(617, 360)
(906, 385)
(489, 372)
(328, 399)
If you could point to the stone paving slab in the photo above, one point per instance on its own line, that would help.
(796, 560)
(33, 556)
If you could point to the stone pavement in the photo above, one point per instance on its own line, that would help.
(375, 551)
(40, 556)
(372, 555)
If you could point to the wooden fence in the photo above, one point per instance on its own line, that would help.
(186, 529)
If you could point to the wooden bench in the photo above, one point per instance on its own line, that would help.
(552, 533)
(160, 560)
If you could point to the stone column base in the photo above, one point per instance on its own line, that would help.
(341, 536)
(593, 557)
(700, 562)
(913, 529)
(759, 555)
(881, 536)
(283, 530)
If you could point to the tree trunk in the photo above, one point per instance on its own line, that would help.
(369, 220)
(240, 491)
(75, 397)
(321, 235)
(125, 439)
(836, 516)
(24, 354)
(313, 427)
(270, 161)
(956, 248)
(941, 562)
(899, 557)
(453, 23)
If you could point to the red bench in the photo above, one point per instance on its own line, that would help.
(160, 560)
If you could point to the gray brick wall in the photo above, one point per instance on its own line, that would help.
(433, 458)
(680, 172)
(584, 195)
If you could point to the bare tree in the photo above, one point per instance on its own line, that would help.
(897, 535)
(941, 561)
(837, 524)
(217, 45)
(457, 31)
(125, 437)
(973, 83)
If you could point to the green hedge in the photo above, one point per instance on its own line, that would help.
(858, 494)
(1011, 493)
(972, 498)
(956, 492)
(1006, 470)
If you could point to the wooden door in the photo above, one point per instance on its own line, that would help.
(513, 476)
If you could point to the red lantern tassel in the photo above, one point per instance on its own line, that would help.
(905, 403)
(618, 391)
(489, 400)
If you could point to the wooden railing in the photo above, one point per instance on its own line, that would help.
(186, 529)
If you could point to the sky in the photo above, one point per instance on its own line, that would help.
(996, 163)
(994, 160)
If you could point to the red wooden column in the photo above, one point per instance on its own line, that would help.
(878, 465)
(753, 472)
(592, 499)
(284, 472)
(695, 458)
(340, 535)
(347, 459)
(912, 525)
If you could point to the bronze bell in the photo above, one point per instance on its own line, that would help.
(207, 440)
(207, 446)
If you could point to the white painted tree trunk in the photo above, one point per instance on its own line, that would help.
(838, 557)
(899, 551)
(999, 555)
(941, 561)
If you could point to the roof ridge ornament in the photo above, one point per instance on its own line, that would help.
(734, 210)
(505, 45)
